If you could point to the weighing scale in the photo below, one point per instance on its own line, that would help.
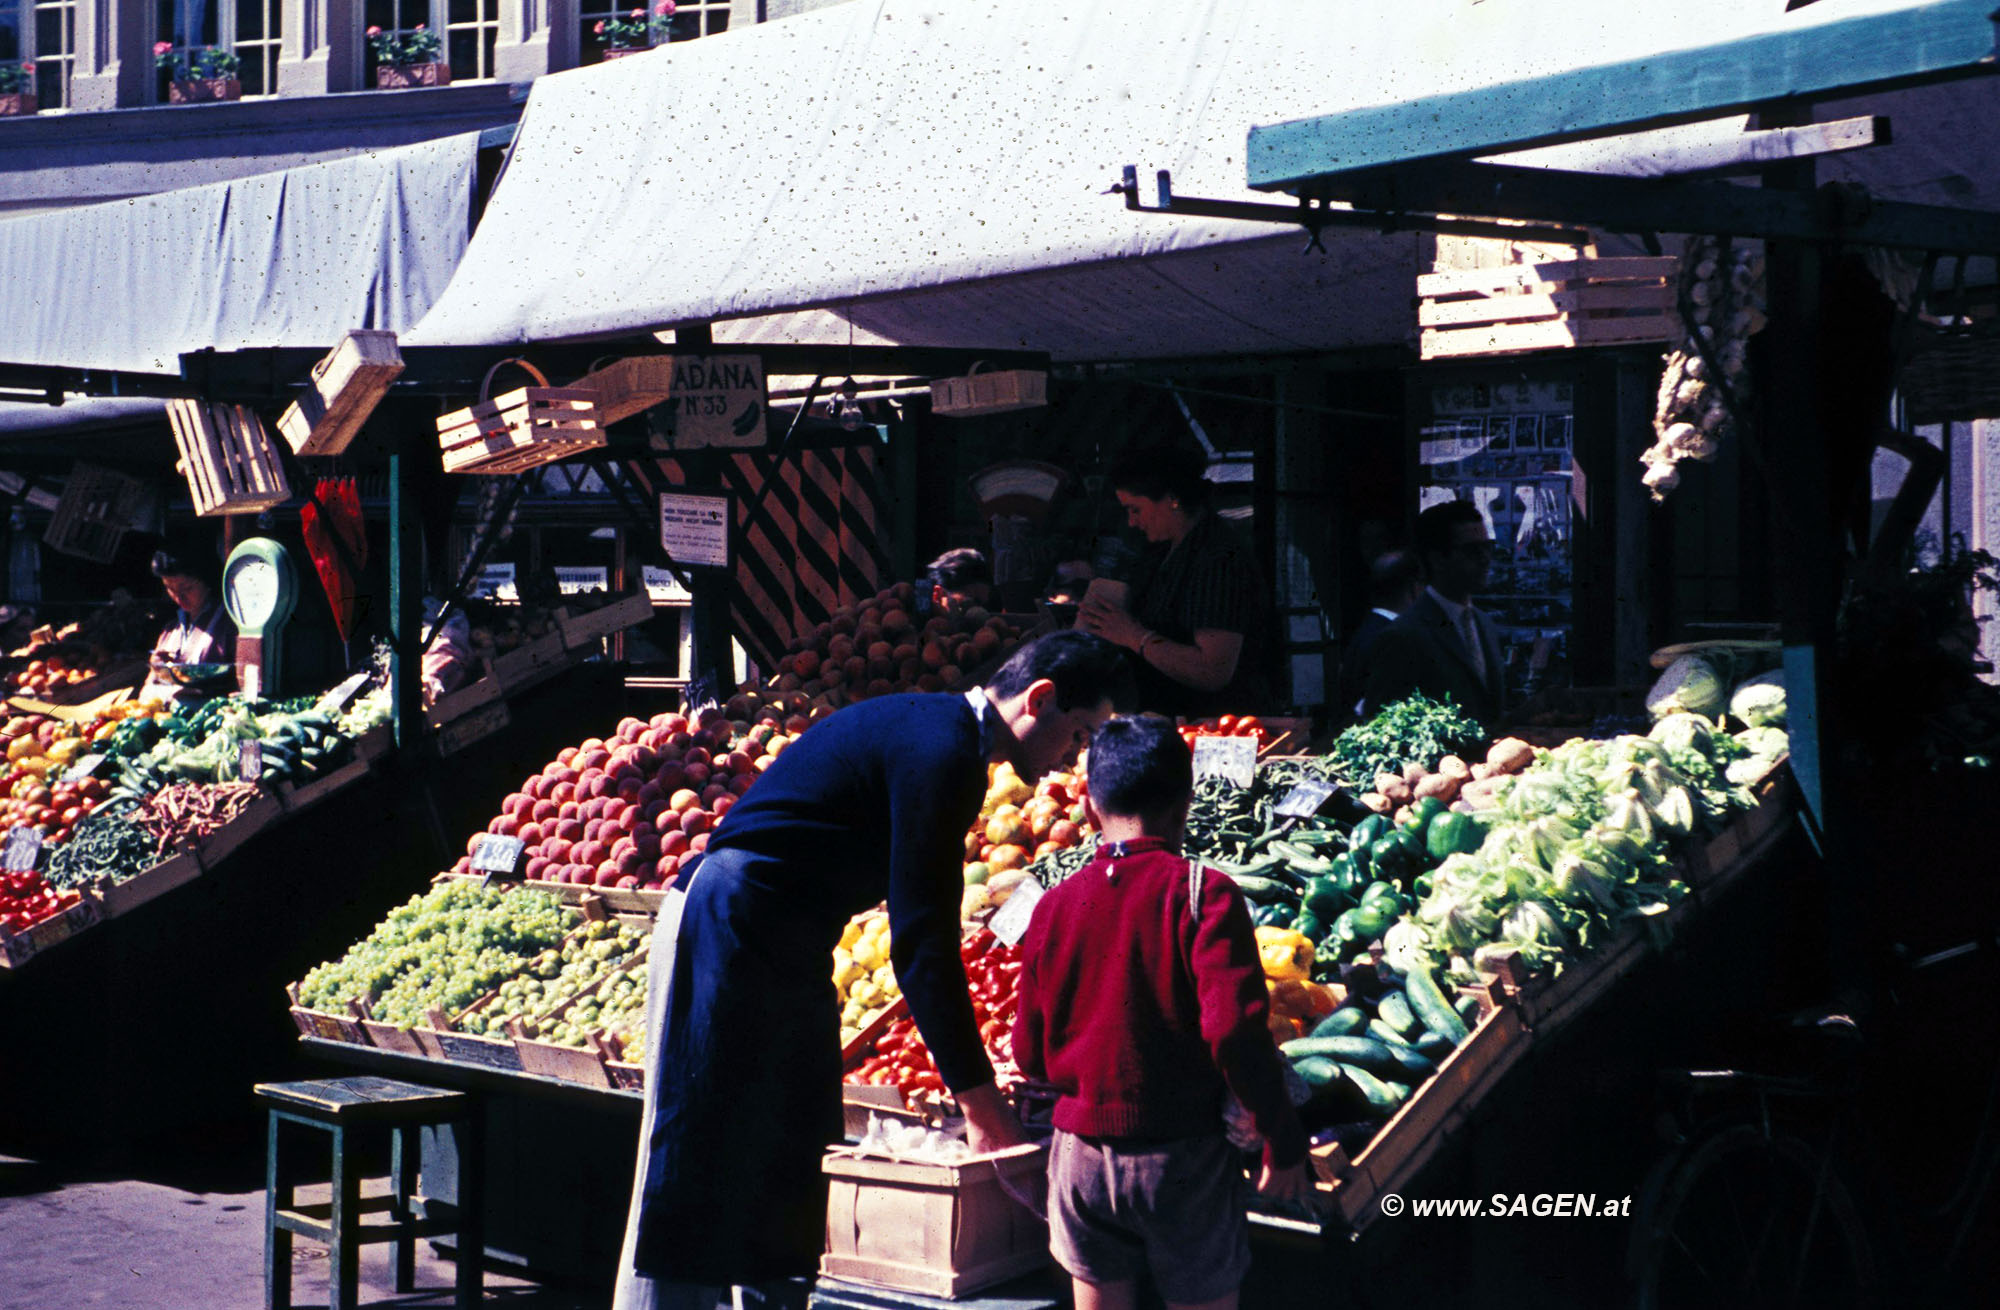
(260, 589)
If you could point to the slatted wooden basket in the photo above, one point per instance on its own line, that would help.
(97, 508)
(344, 389)
(520, 429)
(227, 455)
(1550, 305)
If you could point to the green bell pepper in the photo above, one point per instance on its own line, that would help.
(1325, 898)
(1453, 834)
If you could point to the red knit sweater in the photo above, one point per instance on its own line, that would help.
(1142, 1010)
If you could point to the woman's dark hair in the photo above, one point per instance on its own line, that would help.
(957, 570)
(185, 562)
(1159, 472)
(1086, 669)
(1139, 766)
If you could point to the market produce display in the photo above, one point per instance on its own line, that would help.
(900, 1058)
(1227, 725)
(625, 812)
(863, 978)
(880, 646)
(203, 743)
(28, 898)
(555, 999)
(444, 949)
(1016, 826)
(621, 1010)
(56, 660)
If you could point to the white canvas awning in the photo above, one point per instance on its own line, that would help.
(292, 258)
(934, 172)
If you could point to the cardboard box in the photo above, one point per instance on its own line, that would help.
(934, 1229)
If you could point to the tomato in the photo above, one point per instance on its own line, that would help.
(1249, 726)
(1226, 724)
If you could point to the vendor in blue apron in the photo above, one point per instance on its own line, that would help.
(743, 1077)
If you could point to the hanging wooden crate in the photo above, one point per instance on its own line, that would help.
(343, 391)
(630, 386)
(989, 393)
(519, 429)
(97, 508)
(1551, 305)
(228, 458)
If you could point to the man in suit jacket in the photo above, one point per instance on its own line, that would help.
(1443, 644)
(1395, 581)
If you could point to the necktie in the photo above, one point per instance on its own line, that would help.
(1468, 631)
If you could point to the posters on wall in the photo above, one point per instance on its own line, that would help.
(1507, 448)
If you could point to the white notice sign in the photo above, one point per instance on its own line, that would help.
(663, 588)
(570, 580)
(717, 400)
(695, 529)
(496, 581)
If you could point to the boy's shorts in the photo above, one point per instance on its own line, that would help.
(1176, 1207)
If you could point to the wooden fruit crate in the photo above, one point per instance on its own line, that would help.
(149, 884)
(227, 840)
(343, 391)
(390, 1037)
(297, 796)
(329, 1027)
(989, 393)
(476, 693)
(440, 1041)
(629, 386)
(864, 1041)
(1550, 305)
(941, 1230)
(472, 728)
(1426, 1123)
(588, 627)
(18, 948)
(227, 457)
(97, 508)
(531, 662)
(520, 429)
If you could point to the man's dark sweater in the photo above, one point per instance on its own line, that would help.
(1144, 1010)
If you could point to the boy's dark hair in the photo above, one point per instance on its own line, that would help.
(1157, 473)
(1086, 669)
(1139, 765)
(1436, 524)
(185, 562)
(957, 570)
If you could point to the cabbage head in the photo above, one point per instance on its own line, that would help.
(1691, 684)
(1760, 702)
(1765, 743)
(1683, 731)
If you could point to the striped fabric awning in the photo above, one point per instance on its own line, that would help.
(814, 541)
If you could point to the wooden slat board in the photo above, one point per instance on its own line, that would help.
(227, 457)
(344, 390)
(520, 429)
(1547, 305)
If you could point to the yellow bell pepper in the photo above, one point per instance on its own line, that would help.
(1309, 1001)
(1285, 953)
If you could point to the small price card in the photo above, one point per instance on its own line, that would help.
(1010, 922)
(250, 760)
(22, 848)
(1304, 800)
(85, 766)
(497, 854)
(1234, 758)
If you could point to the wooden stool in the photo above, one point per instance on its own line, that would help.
(335, 1106)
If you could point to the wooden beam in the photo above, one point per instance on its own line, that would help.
(1639, 204)
(1729, 151)
(1928, 40)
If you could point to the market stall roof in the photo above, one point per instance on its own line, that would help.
(293, 258)
(935, 173)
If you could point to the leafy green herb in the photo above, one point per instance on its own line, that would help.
(1416, 730)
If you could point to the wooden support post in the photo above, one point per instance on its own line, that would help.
(406, 692)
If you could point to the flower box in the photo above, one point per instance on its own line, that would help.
(204, 90)
(620, 51)
(17, 102)
(396, 77)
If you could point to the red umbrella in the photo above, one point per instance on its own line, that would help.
(337, 540)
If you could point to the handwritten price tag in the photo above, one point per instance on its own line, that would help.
(1233, 758)
(23, 847)
(1010, 922)
(250, 760)
(1304, 800)
(497, 854)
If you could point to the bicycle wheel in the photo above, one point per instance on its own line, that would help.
(1757, 1222)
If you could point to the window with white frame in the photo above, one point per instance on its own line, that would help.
(662, 20)
(249, 29)
(50, 40)
(471, 29)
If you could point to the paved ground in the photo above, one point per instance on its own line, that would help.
(77, 1241)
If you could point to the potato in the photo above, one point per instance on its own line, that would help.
(1377, 802)
(1414, 773)
(1443, 786)
(1510, 755)
(1453, 767)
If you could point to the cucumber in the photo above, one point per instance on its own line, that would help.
(1383, 1097)
(1467, 1009)
(1343, 1022)
(1382, 1032)
(1430, 1006)
(1412, 1065)
(1394, 1010)
(1319, 1072)
(1435, 1045)
(1263, 889)
(1361, 1052)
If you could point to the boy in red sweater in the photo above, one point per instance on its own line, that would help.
(1144, 1008)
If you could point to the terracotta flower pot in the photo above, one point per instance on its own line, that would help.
(202, 90)
(619, 52)
(395, 77)
(17, 102)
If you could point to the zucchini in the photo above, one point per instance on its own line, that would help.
(1361, 1052)
(1262, 889)
(1467, 1010)
(1346, 1020)
(1430, 1006)
(1383, 1033)
(1394, 1009)
(1411, 1065)
(1383, 1097)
